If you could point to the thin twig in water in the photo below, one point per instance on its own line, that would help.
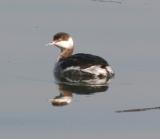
(110, 1)
(138, 109)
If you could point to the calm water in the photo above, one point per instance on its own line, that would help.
(126, 33)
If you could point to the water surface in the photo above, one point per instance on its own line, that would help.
(126, 34)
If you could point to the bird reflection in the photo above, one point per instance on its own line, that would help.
(66, 92)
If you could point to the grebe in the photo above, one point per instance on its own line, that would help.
(81, 68)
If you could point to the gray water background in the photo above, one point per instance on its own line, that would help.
(127, 34)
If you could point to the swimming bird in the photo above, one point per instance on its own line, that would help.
(80, 67)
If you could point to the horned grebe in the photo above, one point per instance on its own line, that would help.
(81, 68)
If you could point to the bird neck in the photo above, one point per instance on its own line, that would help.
(66, 52)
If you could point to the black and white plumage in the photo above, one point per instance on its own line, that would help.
(79, 68)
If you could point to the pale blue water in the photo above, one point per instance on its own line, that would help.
(125, 34)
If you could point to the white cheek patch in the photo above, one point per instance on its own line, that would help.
(65, 44)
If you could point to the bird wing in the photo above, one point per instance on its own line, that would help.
(83, 60)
